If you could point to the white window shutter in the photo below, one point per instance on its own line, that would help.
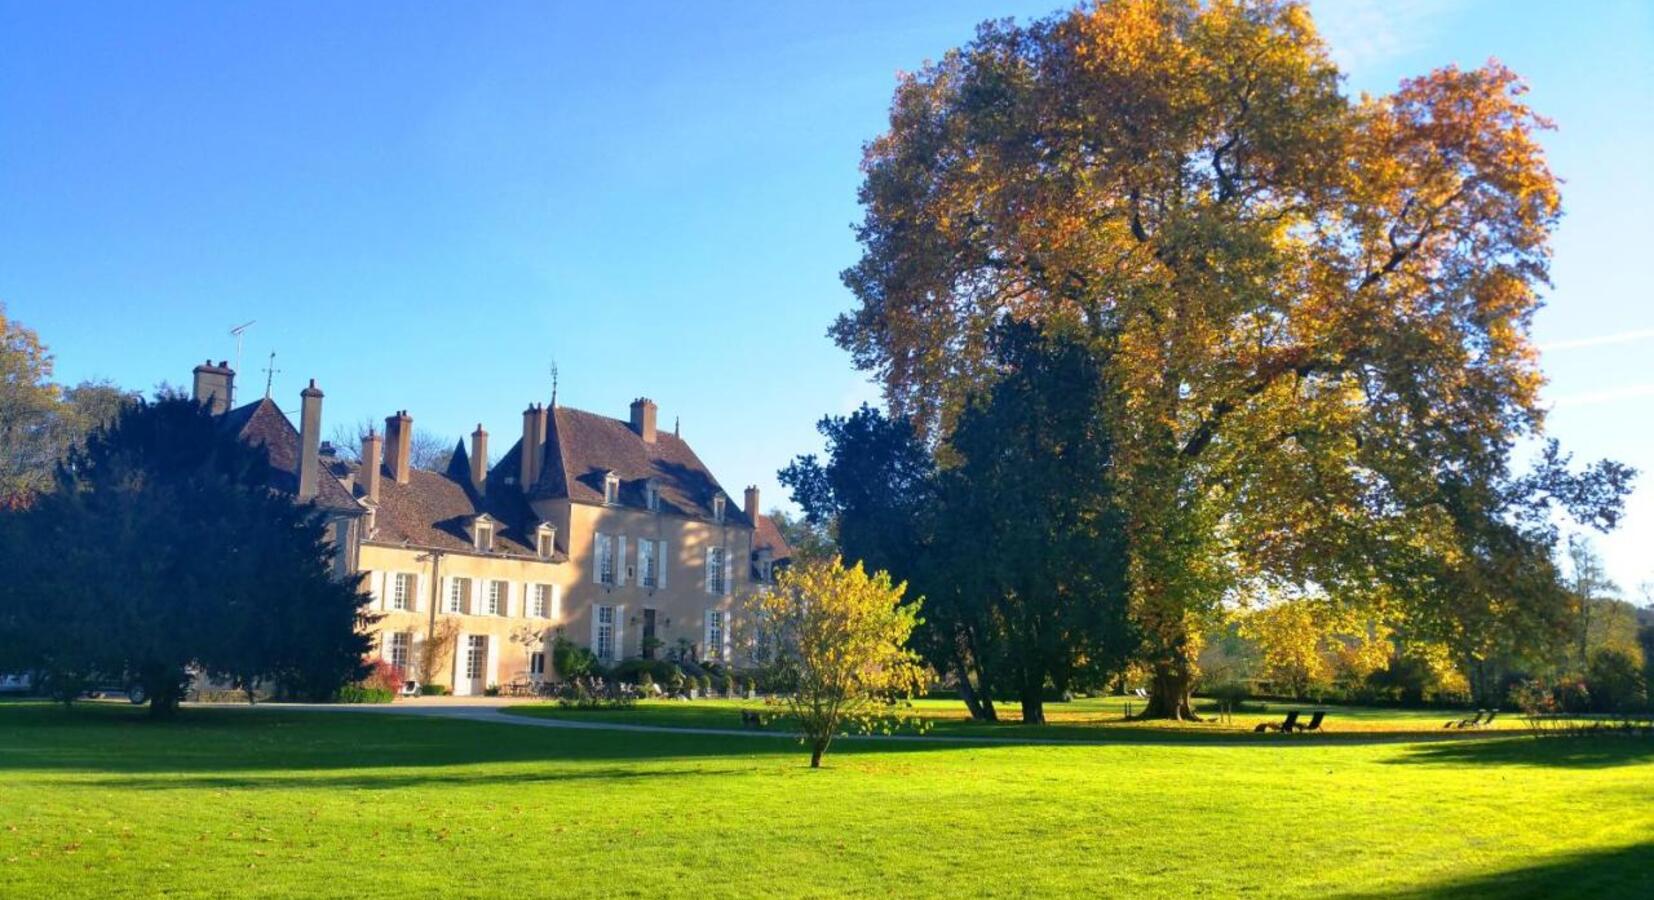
(556, 611)
(729, 638)
(706, 634)
(728, 573)
(417, 601)
(598, 540)
(660, 565)
(620, 633)
(620, 560)
(592, 611)
(706, 571)
(491, 672)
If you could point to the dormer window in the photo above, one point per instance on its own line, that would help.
(651, 495)
(370, 522)
(482, 534)
(545, 540)
(718, 503)
(611, 489)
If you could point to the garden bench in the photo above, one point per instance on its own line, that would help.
(751, 719)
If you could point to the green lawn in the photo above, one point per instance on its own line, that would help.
(1097, 719)
(98, 802)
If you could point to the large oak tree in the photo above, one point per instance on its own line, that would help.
(1315, 308)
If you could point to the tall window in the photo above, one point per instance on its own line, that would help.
(400, 644)
(402, 591)
(605, 632)
(716, 571)
(714, 634)
(605, 559)
(476, 656)
(496, 598)
(542, 601)
(537, 663)
(646, 564)
(459, 595)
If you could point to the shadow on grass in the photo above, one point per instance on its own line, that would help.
(1619, 872)
(1597, 752)
(216, 746)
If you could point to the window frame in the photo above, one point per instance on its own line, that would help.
(605, 632)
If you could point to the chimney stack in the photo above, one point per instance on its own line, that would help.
(213, 384)
(533, 446)
(752, 504)
(479, 458)
(310, 436)
(369, 475)
(399, 445)
(643, 419)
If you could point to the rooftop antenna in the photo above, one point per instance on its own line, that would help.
(676, 420)
(237, 332)
(554, 383)
(270, 371)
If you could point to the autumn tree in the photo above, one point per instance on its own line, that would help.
(835, 639)
(1314, 308)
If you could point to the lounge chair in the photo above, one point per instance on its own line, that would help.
(1141, 693)
(1491, 714)
(1471, 722)
(1314, 721)
(1289, 724)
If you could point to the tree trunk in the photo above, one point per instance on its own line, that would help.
(816, 750)
(1033, 703)
(1169, 690)
(981, 705)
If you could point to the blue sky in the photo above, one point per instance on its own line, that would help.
(424, 205)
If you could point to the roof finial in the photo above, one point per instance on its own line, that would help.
(675, 422)
(270, 371)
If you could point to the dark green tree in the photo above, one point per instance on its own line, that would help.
(161, 551)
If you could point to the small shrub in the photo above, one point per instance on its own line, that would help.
(705, 683)
(572, 660)
(355, 693)
(383, 676)
(492, 690)
(433, 690)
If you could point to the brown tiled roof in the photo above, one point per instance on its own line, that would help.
(435, 509)
(769, 537)
(581, 447)
(262, 424)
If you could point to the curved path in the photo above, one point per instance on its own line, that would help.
(493, 710)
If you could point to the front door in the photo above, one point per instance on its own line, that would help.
(473, 678)
(648, 634)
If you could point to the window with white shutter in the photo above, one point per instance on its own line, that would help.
(646, 564)
(603, 639)
(620, 555)
(459, 595)
(402, 591)
(603, 570)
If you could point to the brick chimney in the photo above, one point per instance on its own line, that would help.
(372, 451)
(310, 436)
(399, 445)
(213, 385)
(479, 458)
(752, 504)
(533, 446)
(643, 419)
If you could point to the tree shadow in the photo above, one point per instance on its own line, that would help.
(1618, 872)
(1598, 752)
(252, 748)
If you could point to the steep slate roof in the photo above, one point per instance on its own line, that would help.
(769, 537)
(435, 509)
(582, 446)
(262, 424)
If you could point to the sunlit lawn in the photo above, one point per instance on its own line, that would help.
(99, 802)
(1101, 718)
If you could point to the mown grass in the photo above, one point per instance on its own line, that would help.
(97, 801)
(1094, 719)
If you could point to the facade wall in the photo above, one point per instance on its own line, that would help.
(511, 636)
(682, 607)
